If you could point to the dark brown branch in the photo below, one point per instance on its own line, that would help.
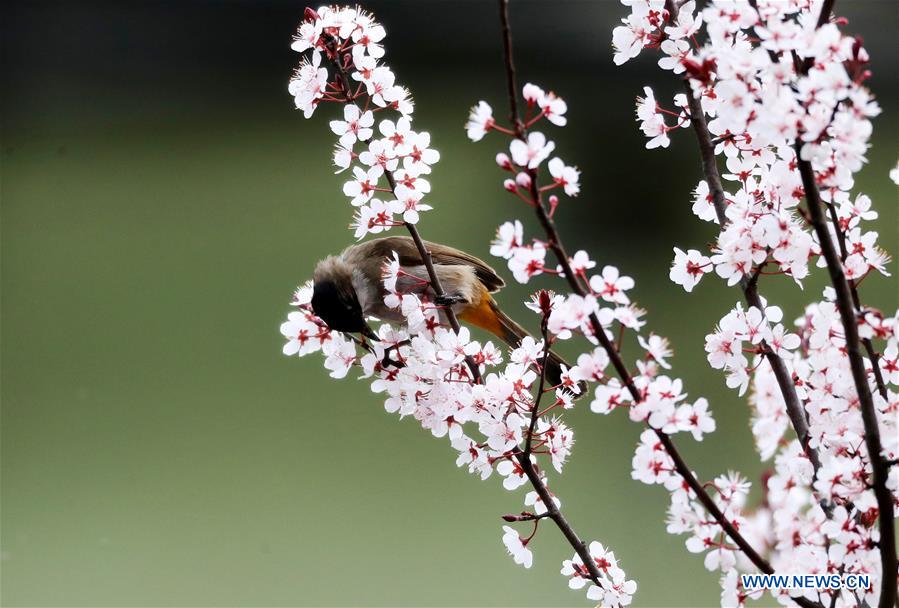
(848, 317)
(749, 285)
(579, 546)
(841, 236)
(529, 439)
(873, 355)
(847, 304)
(524, 458)
(795, 411)
(555, 243)
(335, 58)
(826, 10)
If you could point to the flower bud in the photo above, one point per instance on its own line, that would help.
(503, 160)
(553, 203)
(546, 303)
(523, 180)
(869, 517)
(510, 185)
(524, 516)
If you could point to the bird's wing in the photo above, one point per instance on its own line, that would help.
(405, 247)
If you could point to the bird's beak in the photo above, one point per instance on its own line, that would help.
(369, 333)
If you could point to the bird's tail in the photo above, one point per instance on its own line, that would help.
(489, 316)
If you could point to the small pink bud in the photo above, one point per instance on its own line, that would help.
(309, 14)
(546, 303)
(523, 180)
(511, 518)
(553, 203)
(510, 185)
(869, 517)
(503, 160)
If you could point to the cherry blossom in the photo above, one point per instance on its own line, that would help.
(531, 153)
(688, 268)
(652, 123)
(517, 547)
(656, 348)
(552, 107)
(355, 126)
(564, 176)
(611, 286)
(480, 120)
(509, 237)
(613, 591)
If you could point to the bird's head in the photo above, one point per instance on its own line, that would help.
(334, 298)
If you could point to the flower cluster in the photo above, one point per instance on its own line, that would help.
(601, 303)
(389, 161)
(507, 418)
(743, 331)
(616, 589)
(771, 89)
(421, 370)
(778, 87)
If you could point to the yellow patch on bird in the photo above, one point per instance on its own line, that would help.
(484, 316)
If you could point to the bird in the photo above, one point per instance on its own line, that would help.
(349, 287)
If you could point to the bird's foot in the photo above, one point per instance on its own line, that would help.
(447, 300)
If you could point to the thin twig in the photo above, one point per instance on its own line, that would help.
(529, 439)
(524, 459)
(579, 546)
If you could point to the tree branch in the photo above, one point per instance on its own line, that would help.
(555, 243)
(795, 411)
(544, 329)
(879, 465)
(579, 546)
(847, 303)
(335, 58)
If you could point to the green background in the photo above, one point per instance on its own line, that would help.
(160, 201)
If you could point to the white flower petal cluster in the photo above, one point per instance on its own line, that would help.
(615, 591)
(389, 161)
(527, 155)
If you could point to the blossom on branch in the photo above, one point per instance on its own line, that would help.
(772, 85)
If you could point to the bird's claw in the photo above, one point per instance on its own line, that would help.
(448, 300)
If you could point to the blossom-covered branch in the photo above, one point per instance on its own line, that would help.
(847, 297)
(777, 90)
(341, 55)
(783, 89)
(554, 242)
(850, 308)
(748, 282)
(504, 423)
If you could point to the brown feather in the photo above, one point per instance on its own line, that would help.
(404, 246)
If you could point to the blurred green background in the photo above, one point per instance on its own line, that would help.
(160, 201)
